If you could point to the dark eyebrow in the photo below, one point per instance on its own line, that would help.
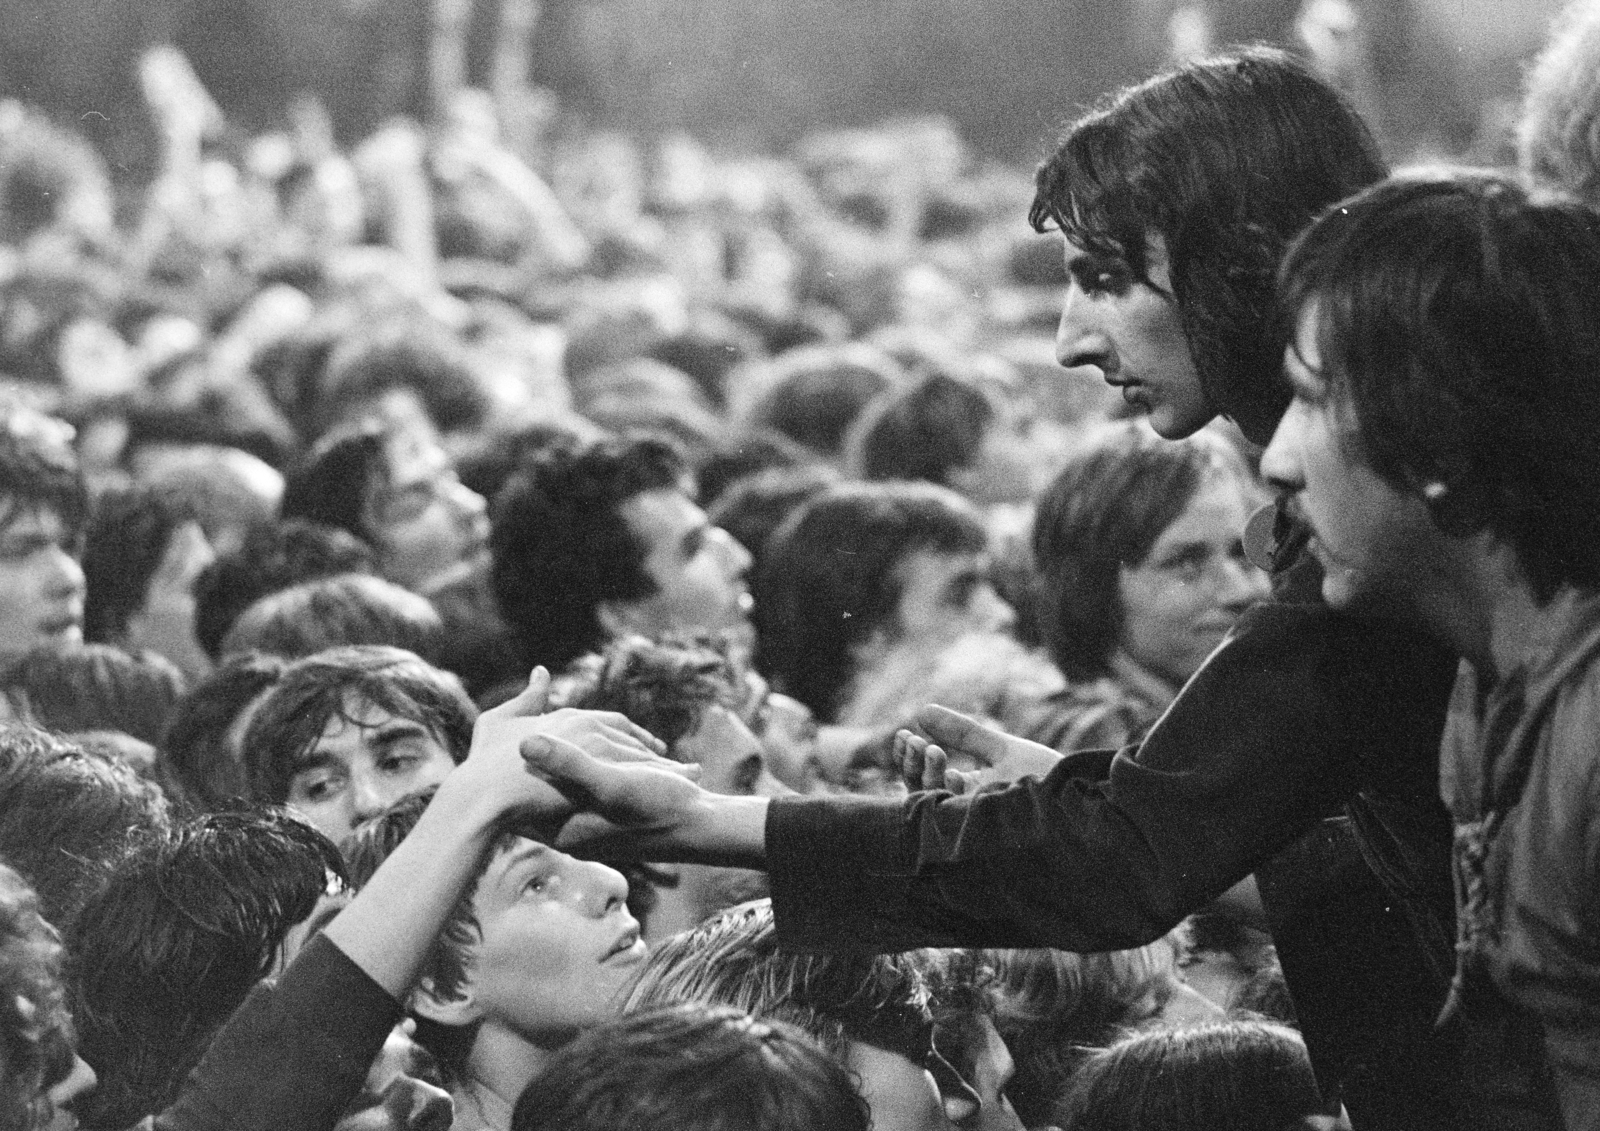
(397, 730)
(694, 539)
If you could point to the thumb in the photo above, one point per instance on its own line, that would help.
(953, 730)
(531, 700)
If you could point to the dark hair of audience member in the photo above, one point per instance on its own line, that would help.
(200, 752)
(815, 393)
(183, 928)
(336, 482)
(1469, 293)
(95, 687)
(711, 347)
(430, 365)
(124, 544)
(1104, 511)
(36, 1035)
(734, 959)
(67, 813)
(348, 608)
(748, 454)
(38, 469)
(273, 557)
(490, 462)
(1053, 1006)
(1226, 160)
(560, 547)
(927, 430)
(752, 508)
(1242, 1075)
(829, 579)
(341, 683)
(691, 1067)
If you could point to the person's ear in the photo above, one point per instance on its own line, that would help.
(460, 1010)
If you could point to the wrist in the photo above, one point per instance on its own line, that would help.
(725, 830)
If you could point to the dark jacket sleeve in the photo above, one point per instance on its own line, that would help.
(1274, 732)
(293, 1055)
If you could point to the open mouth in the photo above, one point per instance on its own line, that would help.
(628, 945)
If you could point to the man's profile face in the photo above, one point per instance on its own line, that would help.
(1378, 545)
(1130, 331)
(431, 530)
(732, 759)
(41, 583)
(365, 760)
(699, 569)
(944, 597)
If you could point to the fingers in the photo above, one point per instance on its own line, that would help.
(935, 763)
(908, 756)
(956, 731)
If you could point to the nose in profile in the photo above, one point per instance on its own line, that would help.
(1080, 339)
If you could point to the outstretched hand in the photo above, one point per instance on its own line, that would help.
(924, 757)
(495, 759)
(623, 805)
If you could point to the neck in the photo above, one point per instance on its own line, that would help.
(498, 1068)
(1495, 616)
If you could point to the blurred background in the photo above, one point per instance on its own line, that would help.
(1437, 74)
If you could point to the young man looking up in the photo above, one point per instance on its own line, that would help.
(1441, 446)
(606, 541)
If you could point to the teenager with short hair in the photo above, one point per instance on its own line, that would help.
(347, 732)
(43, 507)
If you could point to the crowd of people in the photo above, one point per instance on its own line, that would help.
(512, 627)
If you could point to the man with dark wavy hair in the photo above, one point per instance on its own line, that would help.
(1441, 444)
(606, 541)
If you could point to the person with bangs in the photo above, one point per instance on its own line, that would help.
(1141, 568)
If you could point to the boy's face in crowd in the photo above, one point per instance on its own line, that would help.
(944, 597)
(365, 761)
(431, 529)
(1194, 584)
(41, 583)
(699, 569)
(556, 943)
(1378, 545)
(732, 759)
(1131, 332)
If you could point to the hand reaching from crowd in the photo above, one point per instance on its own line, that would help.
(924, 758)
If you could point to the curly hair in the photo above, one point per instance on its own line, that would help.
(36, 1038)
(1224, 159)
(663, 686)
